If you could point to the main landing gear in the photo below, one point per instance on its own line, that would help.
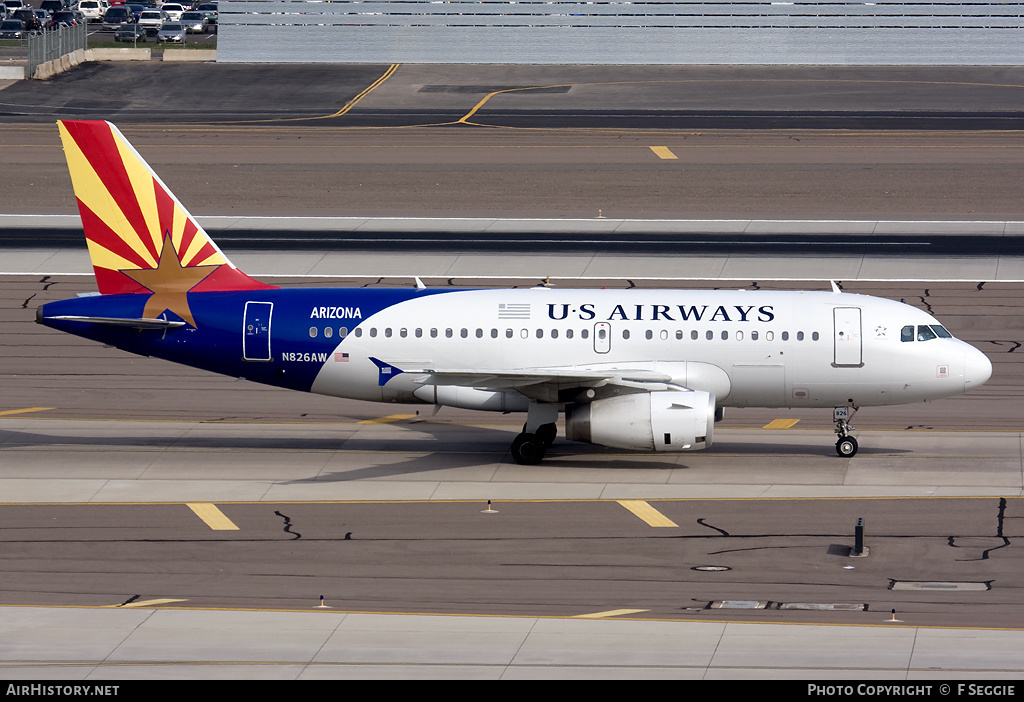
(529, 449)
(539, 432)
(846, 446)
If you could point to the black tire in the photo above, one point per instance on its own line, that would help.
(528, 450)
(847, 447)
(547, 433)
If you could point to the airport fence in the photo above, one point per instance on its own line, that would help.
(51, 44)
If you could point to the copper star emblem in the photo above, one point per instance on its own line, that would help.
(169, 283)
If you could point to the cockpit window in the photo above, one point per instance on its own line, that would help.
(941, 332)
(907, 333)
(925, 333)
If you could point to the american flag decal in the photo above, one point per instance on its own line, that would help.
(341, 358)
(512, 310)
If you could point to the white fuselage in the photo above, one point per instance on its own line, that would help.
(746, 347)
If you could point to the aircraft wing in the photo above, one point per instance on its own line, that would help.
(532, 382)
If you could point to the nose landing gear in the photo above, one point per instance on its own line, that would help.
(846, 446)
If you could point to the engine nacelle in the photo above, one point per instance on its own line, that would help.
(667, 420)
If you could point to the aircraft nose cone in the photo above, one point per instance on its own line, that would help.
(977, 369)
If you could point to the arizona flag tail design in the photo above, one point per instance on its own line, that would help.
(141, 239)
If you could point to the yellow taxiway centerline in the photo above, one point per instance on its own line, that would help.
(781, 424)
(214, 518)
(610, 613)
(650, 515)
(388, 419)
(22, 411)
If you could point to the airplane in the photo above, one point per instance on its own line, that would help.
(641, 370)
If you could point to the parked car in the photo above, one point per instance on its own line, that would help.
(151, 20)
(12, 29)
(92, 10)
(13, 5)
(52, 6)
(173, 9)
(210, 10)
(195, 22)
(136, 10)
(66, 17)
(171, 32)
(28, 16)
(130, 32)
(115, 16)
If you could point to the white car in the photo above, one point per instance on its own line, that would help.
(151, 20)
(92, 10)
(174, 10)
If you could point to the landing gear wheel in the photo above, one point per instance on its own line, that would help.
(528, 449)
(547, 433)
(846, 447)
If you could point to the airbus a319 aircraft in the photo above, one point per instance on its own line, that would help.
(646, 370)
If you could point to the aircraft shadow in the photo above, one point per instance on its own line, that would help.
(439, 447)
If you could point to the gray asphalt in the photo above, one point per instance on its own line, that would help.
(954, 555)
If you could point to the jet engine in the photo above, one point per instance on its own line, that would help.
(666, 420)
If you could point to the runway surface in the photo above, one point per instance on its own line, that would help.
(575, 570)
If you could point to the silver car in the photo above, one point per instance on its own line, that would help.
(12, 29)
(171, 32)
(195, 22)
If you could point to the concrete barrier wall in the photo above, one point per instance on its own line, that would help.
(12, 72)
(68, 61)
(190, 54)
(118, 55)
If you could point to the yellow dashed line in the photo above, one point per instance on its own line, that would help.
(781, 424)
(27, 409)
(143, 603)
(610, 613)
(213, 517)
(387, 420)
(647, 513)
(663, 152)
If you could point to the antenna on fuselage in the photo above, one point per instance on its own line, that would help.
(835, 287)
(419, 283)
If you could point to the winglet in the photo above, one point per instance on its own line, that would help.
(386, 371)
(133, 223)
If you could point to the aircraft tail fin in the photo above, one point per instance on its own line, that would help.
(133, 223)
